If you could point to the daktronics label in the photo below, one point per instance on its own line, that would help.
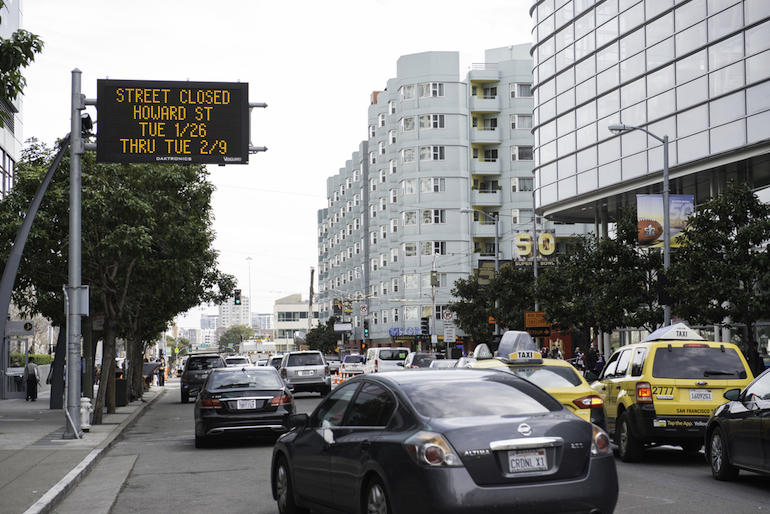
(172, 122)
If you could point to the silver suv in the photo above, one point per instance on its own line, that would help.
(306, 371)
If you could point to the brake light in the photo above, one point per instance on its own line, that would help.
(695, 345)
(284, 399)
(375, 365)
(589, 402)
(210, 403)
(184, 375)
(643, 392)
(326, 370)
(283, 372)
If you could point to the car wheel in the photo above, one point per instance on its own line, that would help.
(284, 491)
(720, 463)
(185, 397)
(630, 449)
(691, 446)
(376, 499)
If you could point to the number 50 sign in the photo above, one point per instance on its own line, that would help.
(523, 244)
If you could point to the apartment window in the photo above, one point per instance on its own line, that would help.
(357, 248)
(383, 260)
(393, 195)
(433, 248)
(425, 279)
(432, 121)
(356, 224)
(431, 153)
(372, 184)
(383, 176)
(431, 89)
(383, 231)
(373, 238)
(407, 93)
(394, 314)
(373, 264)
(490, 92)
(407, 155)
(410, 249)
(357, 272)
(381, 118)
(409, 186)
(382, 147)
(433, 216)
(394, 284)
(490, 155)
(411, 281)
(336, 196)
(394, 255)
(383, 288)
(521, 184)
(372, 131)
(372, 158)
(350, 276)
(432, 185)
(521, 153)
(350, 252)
(392, 137)
(356, 175)
(349, 206)
(393, 167)
(409, 218)
(407, 124)
(392, 107)
(356, 200)
(411, 313)
(521, 90)
(383, 204)
(372, 211)
(393, 225)
(521, 121)
(384, 317)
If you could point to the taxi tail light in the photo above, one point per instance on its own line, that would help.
(643, 392)
(589, 402)
(284, 399)
(695, 345)
(600, 442)
(431, 449)
(210, 403)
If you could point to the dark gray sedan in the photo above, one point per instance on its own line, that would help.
(458, 440)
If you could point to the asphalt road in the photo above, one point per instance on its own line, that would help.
(156, 468)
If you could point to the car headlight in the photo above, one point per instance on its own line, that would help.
(430, 448)
(600, 442)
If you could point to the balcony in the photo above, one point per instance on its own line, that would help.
(486, 197)
(485, 135)
(484, 228)
(484, 72)
(486, 166)
(485, 104)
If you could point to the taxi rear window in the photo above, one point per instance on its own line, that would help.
(545, 376)
(698, 362)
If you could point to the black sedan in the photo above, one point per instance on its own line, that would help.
(736, 435)
(456, 440)
(238, 402)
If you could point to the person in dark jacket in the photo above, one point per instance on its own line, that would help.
(756, 364)
(32, 378)
(591, 358)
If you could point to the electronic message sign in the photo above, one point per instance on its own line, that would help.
(172, 122)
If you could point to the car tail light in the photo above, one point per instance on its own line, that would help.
(283, 372)
(431, 449)
(284, 399)
(375, 365)
(589, 402)
(695, 345)
(643, 392)
(600, 442)
(184, 376)
(210, 403)
(326, 370)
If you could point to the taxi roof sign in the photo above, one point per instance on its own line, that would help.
(678, 332)
(515, 341)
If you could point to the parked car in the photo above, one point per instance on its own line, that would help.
(663, 389)
(237, 360)
(275, 361)
(306, 371)
(196, 371)
(241, 402)
(417, 360)
(518, 354)
(385, 359)
(453, 440)
(353, 364)
(443, 363)
(334, 362)
(736, 435)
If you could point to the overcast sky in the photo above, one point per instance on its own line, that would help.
(314, 63)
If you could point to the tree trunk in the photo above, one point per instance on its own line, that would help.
(106, 393)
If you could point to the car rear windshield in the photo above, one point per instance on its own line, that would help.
(205, 363)
(354, 359)
(238, 360)
(393, 355)
(263, 379)
(698, 362)
(423, 361)
(305, 359)
(476, 398)
(546, 376)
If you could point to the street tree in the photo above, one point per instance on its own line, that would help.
(722, 269)
(16, 52)
(473, 309)
(323, 337)
(513, 289)
(234, 335)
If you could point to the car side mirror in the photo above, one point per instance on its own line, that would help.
(732, 394)
(298, 420)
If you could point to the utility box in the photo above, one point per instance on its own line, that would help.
(121, 392)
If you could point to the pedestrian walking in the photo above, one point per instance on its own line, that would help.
(590, 358)
(32, 378)
(756, 364)
(161, 372)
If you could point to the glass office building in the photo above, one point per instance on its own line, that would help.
(697, 71)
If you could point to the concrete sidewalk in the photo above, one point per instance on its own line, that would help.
(39, 468)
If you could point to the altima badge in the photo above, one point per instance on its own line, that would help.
(525, 429)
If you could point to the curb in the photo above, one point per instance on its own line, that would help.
(57, 493)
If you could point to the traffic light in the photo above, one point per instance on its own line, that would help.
(366, 330)
(237, 297)
(425, 326)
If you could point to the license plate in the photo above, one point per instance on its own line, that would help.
(247, 404)
(305, 372)
(700, 395)
(525, 461)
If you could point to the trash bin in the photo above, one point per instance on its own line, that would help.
(121, 392)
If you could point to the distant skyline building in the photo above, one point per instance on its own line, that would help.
(264, 321)
(231, 314)
(291, 316)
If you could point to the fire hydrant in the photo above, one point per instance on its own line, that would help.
(86, 413)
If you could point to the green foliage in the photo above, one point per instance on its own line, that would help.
(513, 289)
(41, 359)
(723, 268)
(472, 311)
(16, 53)
(323, 337)
(233, 335)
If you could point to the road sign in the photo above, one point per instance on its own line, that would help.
(446, 315)
(18, 328)
(166, 122)
(540, 331)
(535, 319)
(363, 309)
(449, 333)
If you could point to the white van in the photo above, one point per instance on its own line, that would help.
(385, 359)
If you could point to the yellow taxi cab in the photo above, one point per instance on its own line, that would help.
(517, 354)
(662, 390)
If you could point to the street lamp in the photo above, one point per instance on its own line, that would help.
(495, 219)
(619, 128)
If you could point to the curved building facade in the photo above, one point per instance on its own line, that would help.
(697, 71)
